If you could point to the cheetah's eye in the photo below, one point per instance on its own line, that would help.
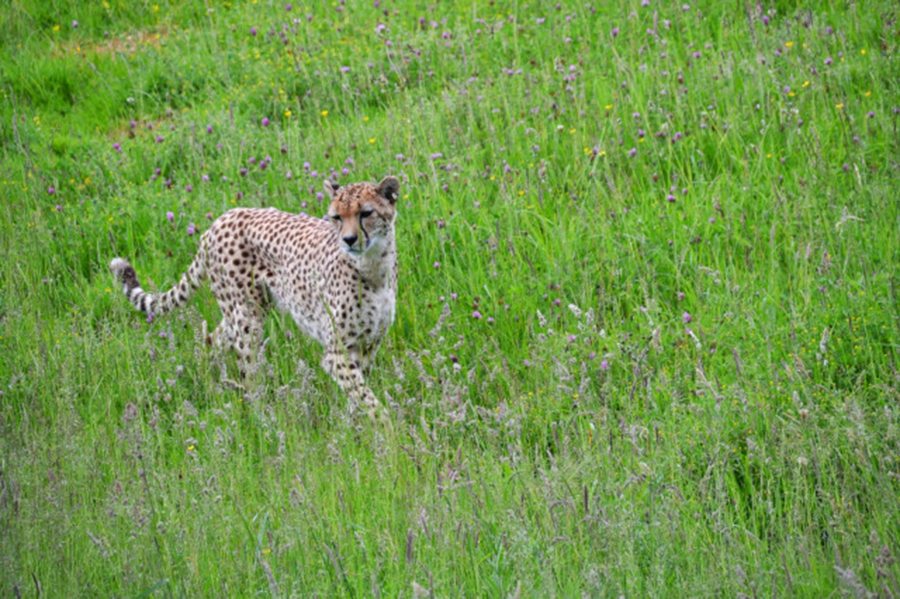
(336, 218)
(365, 213)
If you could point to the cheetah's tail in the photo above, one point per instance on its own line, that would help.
(155, 304)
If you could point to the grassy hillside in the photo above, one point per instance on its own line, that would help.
(647, 329)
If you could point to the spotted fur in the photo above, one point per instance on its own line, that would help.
(337, 277)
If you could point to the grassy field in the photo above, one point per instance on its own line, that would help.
(647, 329)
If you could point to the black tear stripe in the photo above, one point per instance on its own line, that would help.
(365, 233)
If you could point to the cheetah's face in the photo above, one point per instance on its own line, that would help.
(362, 213)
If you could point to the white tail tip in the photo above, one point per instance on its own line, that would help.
(118, 265)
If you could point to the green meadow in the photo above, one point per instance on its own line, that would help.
(647, 329)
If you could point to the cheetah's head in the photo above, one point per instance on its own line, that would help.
(363, 213)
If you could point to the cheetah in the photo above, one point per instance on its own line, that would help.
(336, 276)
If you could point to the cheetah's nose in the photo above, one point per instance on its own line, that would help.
(350, 240)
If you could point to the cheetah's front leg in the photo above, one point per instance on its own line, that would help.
(345, 368)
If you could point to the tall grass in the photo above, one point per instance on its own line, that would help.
(647, 332)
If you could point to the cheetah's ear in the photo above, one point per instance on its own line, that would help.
(389, 188)
(331, 188)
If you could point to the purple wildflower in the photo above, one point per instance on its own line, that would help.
(632, 152)
(117, 147)
(253, 31)
(265, 121)
(604, 364)
(170, 216)
(191, 229)
(686, 318)
(51, 190)
(476, 315)
(615, 32)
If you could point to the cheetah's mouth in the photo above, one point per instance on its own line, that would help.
(360, 248)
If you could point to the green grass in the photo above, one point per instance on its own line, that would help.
(579, 438)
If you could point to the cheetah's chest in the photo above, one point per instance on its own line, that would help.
(367, 318)
(383, 305)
